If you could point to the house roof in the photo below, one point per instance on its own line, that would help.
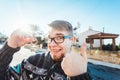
(103, 35)
(86, 33)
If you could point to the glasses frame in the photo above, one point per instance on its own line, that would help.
(64, 37)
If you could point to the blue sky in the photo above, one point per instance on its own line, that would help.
(94, 13)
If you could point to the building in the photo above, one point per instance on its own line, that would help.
(95, 39)
(82, 37)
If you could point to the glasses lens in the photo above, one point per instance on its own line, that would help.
(59, 39)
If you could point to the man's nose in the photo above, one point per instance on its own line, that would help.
(53, 43)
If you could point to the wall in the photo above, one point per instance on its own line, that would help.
(106, 56)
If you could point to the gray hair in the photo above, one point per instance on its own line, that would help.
(62, 25)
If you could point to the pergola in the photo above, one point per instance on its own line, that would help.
(101, 36)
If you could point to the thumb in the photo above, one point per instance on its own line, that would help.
(83, 51)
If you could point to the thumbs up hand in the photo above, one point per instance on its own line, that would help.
(75, 62)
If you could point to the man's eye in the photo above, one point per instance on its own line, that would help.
(60, 37)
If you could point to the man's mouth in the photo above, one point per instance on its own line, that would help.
(56, 50)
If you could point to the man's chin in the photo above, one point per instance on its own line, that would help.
(57, 58)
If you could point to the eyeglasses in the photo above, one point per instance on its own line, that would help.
(58, 39)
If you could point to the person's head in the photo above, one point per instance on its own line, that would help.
(60, 38)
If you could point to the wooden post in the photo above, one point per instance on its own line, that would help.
(100, 43)
(91, 45)
(113, 44)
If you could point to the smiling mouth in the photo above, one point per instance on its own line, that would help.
(56, 50)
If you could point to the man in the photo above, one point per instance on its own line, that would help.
(60, 63)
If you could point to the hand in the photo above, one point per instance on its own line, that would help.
(75, 63)
(19, 38)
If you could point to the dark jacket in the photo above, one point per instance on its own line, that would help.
(37, 67)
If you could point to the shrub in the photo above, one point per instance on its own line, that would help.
(109, 47)
(119, 46)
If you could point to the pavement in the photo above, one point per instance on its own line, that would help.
(104, 63)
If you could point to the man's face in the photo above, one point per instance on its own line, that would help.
(57, 46)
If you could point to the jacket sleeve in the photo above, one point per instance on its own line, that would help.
(84, 76)
(6, 55)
